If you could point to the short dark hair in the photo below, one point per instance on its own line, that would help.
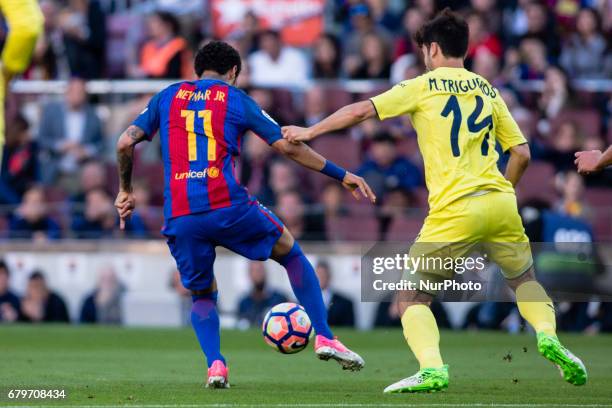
(217, 56)
(449, 30)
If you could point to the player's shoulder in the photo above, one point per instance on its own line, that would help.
(417, 81)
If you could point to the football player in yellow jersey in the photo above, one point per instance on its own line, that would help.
(25, 23)
(459, 117)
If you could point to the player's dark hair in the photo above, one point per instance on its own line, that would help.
(449, 30)
(217, 56)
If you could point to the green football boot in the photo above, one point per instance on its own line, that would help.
(425, 380)
(571, 367)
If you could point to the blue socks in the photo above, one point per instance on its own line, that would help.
(306, 288)
(205, 321)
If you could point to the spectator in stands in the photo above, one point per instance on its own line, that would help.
(374, 59)
(304, 226)
(565, 141)
(533, 60)
(255, 167)
(570, 186)
(83, 26)
(103, 305)
(150, 215)
(361, 24)
(9, 301)
(166, 54)
(556, 93)
(282, 178)
(70, 132)
(100, 219)
(333, 200)
(49, 59)
(276, 64)
(315, 105)
(481, 39)
(585, 53)
(93, 176)
(412, 21)
(340, 309)
(20, 168)
(541, 25)
(253, 306)
(327, 57)
(248, 34)
(385, 170)
(31, 219)
(486, 64)
(40, 304)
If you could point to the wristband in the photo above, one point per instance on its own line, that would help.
(334, 171)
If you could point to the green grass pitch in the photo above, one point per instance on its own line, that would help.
(164, 368)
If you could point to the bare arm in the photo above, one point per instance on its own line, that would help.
(519, 160)
(344, 117)
(305, 156)
(125, 161)
(593, 160)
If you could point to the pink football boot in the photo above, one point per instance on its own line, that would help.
(326, 349)
(217, 375)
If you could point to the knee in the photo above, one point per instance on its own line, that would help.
(411, 298)
(527, 276)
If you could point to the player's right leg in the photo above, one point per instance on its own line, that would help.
(305, 285)
(537, 308)
(195, 256)
(421, 333)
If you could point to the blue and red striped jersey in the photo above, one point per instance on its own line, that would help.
(201, 124)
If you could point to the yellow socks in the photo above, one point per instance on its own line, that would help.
(536, 307)
(421, 333)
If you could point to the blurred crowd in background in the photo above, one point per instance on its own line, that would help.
(551, 60)
(39, 303)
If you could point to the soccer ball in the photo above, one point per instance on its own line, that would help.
(287, 328)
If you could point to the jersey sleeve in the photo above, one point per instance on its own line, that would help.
(403, 98)
(258, 120)
(507, 131)
(25, 21)
(148, 120)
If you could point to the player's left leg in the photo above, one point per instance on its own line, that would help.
(195, 257)
(305, 285)
(421, 333)
(509, 248)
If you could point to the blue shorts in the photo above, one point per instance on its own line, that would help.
(249, 229)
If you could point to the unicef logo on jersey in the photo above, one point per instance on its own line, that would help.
(212, 172)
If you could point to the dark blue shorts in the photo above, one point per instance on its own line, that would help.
(250, 230)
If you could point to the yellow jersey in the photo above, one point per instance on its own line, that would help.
(25, 22)
(458, 117)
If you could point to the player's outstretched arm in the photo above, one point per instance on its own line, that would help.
(518, 162)
(305, 156)
(593, 161)
(125, 202)
(344, 117)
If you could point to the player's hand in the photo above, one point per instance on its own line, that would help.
(296, 134)
(356, 185)
(587, 162)
(124, 204)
